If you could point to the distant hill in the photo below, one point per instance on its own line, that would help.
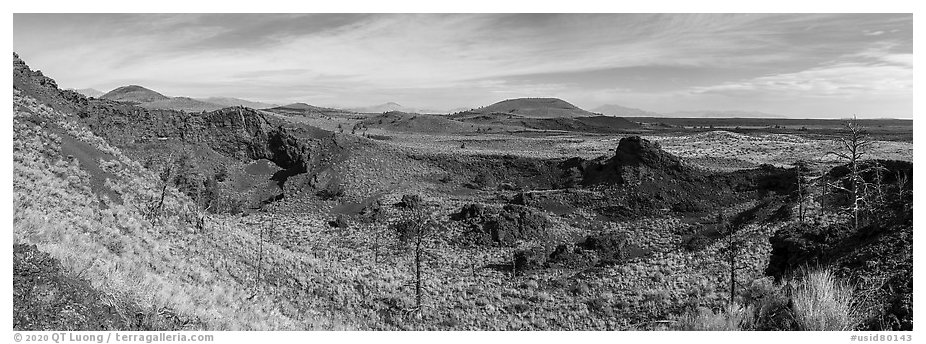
(153, 100)
(590, 124)
(535, 108)
(623, 111)
(135, 94)
(89, 92)
(182, 104)
(229, 102)
(722, 114)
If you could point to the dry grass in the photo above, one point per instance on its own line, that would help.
(821, 302)
(316, 277)
(706, 320)
(164, 264)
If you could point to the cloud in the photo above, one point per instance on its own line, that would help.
(417, 56)
(838, 80)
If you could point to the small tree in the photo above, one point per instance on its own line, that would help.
(166, 176)
(852, 147)
(801, 171)
(416, 232)
(732, 250)
(823, 183)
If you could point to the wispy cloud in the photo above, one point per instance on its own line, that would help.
(429, 59)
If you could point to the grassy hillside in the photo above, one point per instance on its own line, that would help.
(172, 263)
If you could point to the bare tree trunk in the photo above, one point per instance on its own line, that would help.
(260, 252)
(800, 196)
(853, 144)
(823, 194)
(168, 172)
(854, 187)
(418, 273)
(732, 269)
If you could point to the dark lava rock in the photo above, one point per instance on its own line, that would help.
(581, 288)
(507, 187)
(410, 201)
(635, 150)
(407, 230)
(799, 245)
(341, 221)
(571, 257)
(530, 259)
(44, 89)
(611, 248)
(506, 226)
(525, 198)
(372, 211)
(515, 223)
(471, 211)
(46, 298)
(697, 242)
(877, 258)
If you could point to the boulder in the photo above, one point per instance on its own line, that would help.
(341, 221)
(516, 223)
(472, 211)
(410, 201)
(611, 248)
(569, 256)
(530, 259)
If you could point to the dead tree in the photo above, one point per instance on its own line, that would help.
(166, 175)
(800, 193)
(732, 248)
(260, 252)
(260, 261)
(823, 183)
(800, 170)
(852, 147)
(419, 250)
(416, 233)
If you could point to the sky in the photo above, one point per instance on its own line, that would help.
(798, 65)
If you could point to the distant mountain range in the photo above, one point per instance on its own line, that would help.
(622, 111)
(303, 109)
(150, 99)
(723, 114)
(392, 106)
(523, 107)
(227, 101)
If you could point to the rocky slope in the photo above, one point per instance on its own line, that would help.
(103, 242)
(877, 258)
(220, 141)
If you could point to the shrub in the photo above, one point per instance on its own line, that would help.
(485, 180)
(706, 320)
(770, 305)
(822, 303)
(332, 192)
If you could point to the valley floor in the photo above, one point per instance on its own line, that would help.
(286, 267)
